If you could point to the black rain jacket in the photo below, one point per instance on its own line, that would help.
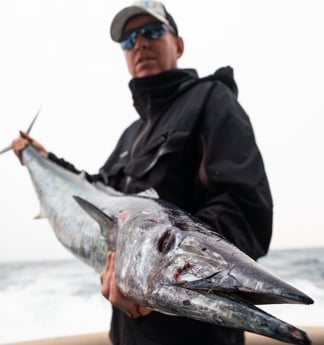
(194, 144)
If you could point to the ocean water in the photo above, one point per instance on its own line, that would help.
(50, 298)
(55, 298)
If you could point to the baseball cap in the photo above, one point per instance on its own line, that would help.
(153, 8)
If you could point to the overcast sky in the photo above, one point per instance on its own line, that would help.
(58, 54)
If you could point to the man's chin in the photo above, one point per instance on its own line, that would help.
(146, 69)
(143, 74)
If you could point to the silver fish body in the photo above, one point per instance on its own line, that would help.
(165, 259)
(55, 186)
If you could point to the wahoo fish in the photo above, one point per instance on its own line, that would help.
(166, 259)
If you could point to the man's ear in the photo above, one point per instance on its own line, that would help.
(180, 46)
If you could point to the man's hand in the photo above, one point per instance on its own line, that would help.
(19, 144)
(111, 291)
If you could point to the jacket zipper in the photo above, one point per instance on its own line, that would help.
(145, 129)
(202, 171)
(128, 179)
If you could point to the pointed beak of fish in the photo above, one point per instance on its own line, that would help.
(240, 278)
(247, 283)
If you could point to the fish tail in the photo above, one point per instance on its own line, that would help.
(9, 147)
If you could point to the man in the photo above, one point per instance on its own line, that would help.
(193, 144)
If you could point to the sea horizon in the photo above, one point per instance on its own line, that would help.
(69, 256)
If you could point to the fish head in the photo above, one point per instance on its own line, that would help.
(179, 266)
(181, 251)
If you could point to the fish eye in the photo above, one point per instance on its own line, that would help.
(166, 242)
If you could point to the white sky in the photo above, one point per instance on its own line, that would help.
(58, 54)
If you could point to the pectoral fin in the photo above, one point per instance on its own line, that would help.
(107, 223)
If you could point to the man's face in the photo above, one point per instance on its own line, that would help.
(149, 57)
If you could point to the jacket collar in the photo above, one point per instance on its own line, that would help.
(152, 94)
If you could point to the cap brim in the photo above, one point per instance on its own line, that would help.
(120, 20)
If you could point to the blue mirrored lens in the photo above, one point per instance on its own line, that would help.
(150, 31)
(129, 42)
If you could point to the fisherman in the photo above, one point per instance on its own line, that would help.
(194, 144)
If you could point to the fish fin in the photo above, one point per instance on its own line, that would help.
(33, 121)
(107, 189)
(104, 220)
(149, 193)
(39, 216)
(9, 147)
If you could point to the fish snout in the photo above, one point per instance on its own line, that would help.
(251, 284)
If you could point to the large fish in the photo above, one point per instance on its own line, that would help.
(165, 259)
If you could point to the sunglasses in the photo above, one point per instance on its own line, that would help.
(151, 31)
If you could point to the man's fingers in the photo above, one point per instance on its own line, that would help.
(41, 149)
(112, 261)
(18, 146)
(134, 311)
(102, 276)
(142, 311)
(25, 136)
(106, 275)
(108, 260)
(111, 291)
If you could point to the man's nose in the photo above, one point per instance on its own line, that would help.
(141, 42)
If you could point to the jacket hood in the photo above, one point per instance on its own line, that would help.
(226, 76)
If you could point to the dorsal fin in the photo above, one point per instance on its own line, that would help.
(149, 193)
